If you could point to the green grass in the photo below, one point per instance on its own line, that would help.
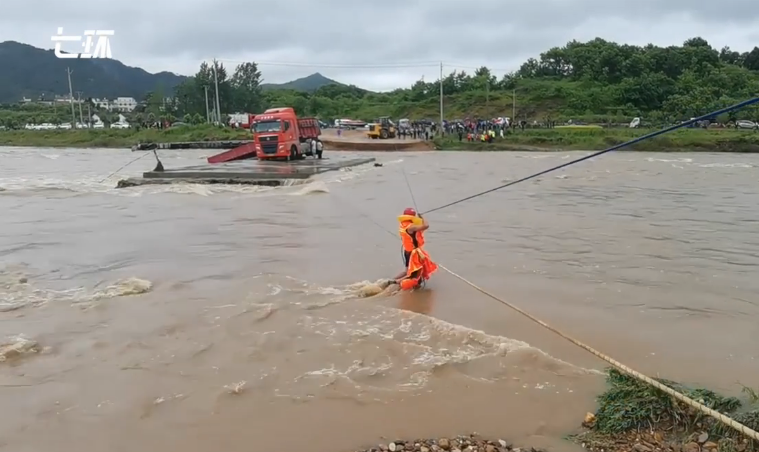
(631, 411)
(630, 404)
(117, 138)
(691, 140)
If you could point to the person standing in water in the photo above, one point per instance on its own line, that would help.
(419, 266)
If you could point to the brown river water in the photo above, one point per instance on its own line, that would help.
(198, 318)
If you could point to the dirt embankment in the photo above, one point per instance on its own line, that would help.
(356, 140)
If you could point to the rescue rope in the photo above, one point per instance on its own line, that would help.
(124, 166)
(596, 154)
(628, 370)
(410, 191)
(732, 423)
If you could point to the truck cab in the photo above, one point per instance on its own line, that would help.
(280, 134)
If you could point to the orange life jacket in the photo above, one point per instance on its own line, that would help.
(410, 240)
(420, 266)
(410, 283)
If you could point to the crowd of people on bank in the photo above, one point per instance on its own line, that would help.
(418, 130)
(471, 129)
(482, 129)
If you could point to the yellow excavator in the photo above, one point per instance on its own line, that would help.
(383, 128)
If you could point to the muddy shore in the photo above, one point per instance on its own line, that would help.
(356, 140)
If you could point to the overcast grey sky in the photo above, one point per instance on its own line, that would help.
(327, 35)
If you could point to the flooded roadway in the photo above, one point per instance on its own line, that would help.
(196, 318)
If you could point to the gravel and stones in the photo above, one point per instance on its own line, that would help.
(465, 443)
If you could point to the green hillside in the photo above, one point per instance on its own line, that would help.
(307, 84)
(596, 81)
(31, 72)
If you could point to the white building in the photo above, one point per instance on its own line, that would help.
(124, 104)
(120, 104)
(101, 104)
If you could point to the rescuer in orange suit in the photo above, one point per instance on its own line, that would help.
(419, 266)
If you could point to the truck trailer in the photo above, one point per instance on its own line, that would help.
(280, 134)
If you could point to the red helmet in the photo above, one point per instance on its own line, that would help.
(410, 211)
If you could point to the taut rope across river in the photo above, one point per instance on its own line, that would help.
(748, 432)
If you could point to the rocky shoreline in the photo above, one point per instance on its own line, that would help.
(631, 417)
(661, 441)
(462, 443)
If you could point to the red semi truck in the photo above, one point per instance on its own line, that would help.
(280, 134)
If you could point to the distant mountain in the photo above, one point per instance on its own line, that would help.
(309, 84)
(28, 71)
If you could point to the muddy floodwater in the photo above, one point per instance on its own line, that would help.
(200, 318)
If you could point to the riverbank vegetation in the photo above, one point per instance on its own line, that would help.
(633, 416)
(588, 139)
(595, 82)
(119, 138)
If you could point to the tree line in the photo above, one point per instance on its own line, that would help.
(597, 80)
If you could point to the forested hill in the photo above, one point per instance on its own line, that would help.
(308, 84)
(596, 80)
(28, 71)
(31, 72)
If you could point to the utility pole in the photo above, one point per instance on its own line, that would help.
(216, 82)
(71, 98)
(81, 118)
(208, 112)
(487, 94)
(89, 116)
(441, 95)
